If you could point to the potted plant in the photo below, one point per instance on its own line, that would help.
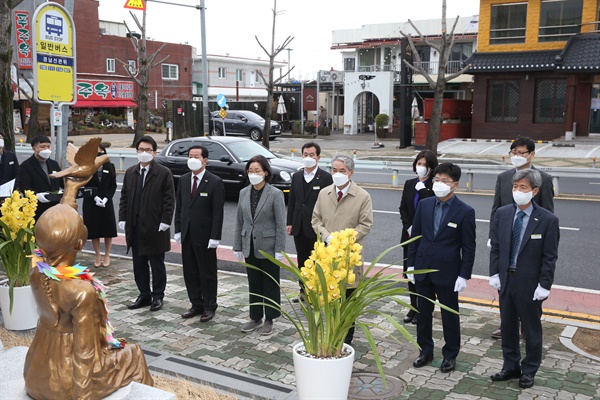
(325, 315)
(17, 243)
(381, 122)
(296, 127)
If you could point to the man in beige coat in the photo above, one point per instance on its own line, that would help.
(341, 206)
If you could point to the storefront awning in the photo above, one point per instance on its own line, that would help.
(103, 104)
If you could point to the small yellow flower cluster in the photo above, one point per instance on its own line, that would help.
(337, 260)
(19, 211)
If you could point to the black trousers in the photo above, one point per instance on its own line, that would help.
(304, 246)
(200, 274)
(450, 322)
(517, 304)
(141, 270)
(260, 283)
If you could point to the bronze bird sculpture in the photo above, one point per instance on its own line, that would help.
(83, 165)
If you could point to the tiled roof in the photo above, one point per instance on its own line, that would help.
(512, 61)
(581, 54)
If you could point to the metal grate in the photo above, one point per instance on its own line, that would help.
(550, 101)
(503, 101)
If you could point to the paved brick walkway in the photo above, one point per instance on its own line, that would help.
(564, 374)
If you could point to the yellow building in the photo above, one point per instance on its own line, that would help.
(537, 69)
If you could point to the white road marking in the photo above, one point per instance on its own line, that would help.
(591, 153)
(489, 148)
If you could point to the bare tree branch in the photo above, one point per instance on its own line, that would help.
(455, 74)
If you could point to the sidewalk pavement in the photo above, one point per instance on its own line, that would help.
(242, 360)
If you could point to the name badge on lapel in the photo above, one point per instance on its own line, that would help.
(105, 171)
(11, 162)
(316, 187)
(203, 194)
(452, 225)
(536, 236)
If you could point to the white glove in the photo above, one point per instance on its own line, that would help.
(177, 237)
(42, 197)
(540, 293)
(411, 277)
(420, 185)
(213, 244)
(105, 200)
(163, 227)
(99, 201)
(495, 282)
(409, 230)
(122, 225)
(328, 239)
(489, 246)
(460, 285)
(239, 255)
(278, 256)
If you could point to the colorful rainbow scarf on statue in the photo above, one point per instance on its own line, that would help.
(79, 272)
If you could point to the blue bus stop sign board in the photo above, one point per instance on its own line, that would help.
(221, 100)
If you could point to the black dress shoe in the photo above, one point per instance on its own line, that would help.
(207, 316)
(422, 360)
(526, 381)
(156, 305)
(497, 334)
(448, 365)
(410, 316)
(192, 312)
(140, 302)
(414, 321)
(505, 375)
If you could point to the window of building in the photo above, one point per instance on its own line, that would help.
(239, 75)
(110, 65)
(170, 71)
(222, 72)
(502, 101)
(550, 101)
(508, 24)
(349, 64)
(559, 19)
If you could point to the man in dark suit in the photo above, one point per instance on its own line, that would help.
(304, 191)
(522, 261)
(198, 225)
(33, 174)
(522, 151)
(8, 164)
(447, 226)
(145, 213)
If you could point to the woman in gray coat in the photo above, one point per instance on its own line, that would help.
(260, 225)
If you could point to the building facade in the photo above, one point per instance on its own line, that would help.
(537, 71)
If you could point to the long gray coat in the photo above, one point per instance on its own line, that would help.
(267, 228)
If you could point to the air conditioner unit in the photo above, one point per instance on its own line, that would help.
(337, 76)
(324, 76)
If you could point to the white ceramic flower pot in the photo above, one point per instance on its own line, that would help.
(24, 312)
(322, 378)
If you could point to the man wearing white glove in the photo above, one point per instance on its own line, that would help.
(99, 202)
(146, 211)
(33, 174)
(524, 239)
(199, 222)
(447, 244)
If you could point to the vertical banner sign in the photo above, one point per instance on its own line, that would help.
(23, 38)
(54, 54)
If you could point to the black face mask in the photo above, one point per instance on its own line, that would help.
(101, 154)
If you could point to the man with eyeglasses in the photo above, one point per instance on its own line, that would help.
(145, 214)
(447, 244)
(522, 151)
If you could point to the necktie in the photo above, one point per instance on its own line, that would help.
(340, 194)
(138, 192)
(194, 187)
(516, 238)
(437, 217)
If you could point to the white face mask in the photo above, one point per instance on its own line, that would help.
(1, 142)
(145, 157)
(340, 179)
(45, 154)
(255, 179)
(194, 164)
(518, 161)
(309, 162)
(522, 198)
(422, 171)
(441, 190)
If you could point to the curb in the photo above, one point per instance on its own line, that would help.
(566, 338)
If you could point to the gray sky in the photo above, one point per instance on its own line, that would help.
(231, 25)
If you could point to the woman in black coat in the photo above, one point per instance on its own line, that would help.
(415, 190)
(99, 212)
